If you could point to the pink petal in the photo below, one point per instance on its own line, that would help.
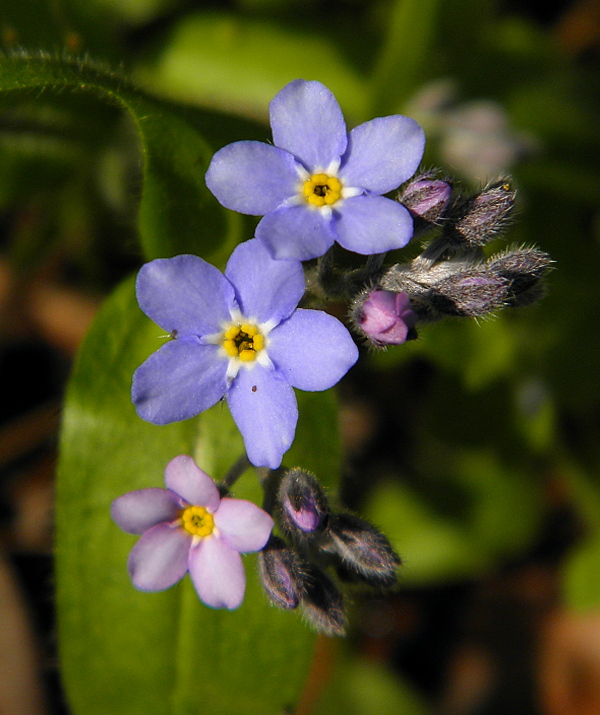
(243, 526)
(185, 478)
(136, 512)
(217, 573)
(160, 558)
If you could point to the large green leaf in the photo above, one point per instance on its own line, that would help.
(403, 59)
(177, 212)
(238, 65)
(126, 652)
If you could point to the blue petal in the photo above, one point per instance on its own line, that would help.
(295, 232)
(264, 408)
(179, 381)
(160, 558)
(307, 121)
(372, 224)
(312, 350)
(185, 294)
(252, 177)
(265, 288)
(383, 153)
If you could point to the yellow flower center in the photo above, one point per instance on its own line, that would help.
(243, 341)
(197, 521)
(322, 190)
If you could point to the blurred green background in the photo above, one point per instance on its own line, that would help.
(476, 448)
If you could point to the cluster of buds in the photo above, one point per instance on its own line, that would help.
(452, 277)
(294, 570)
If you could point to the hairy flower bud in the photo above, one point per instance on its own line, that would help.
(384, 317)
(280, 571)
(303, 507)
(322, 603)
(426, 197)
(364, 551)
(473, 292)
(522, 269)
(479, 219)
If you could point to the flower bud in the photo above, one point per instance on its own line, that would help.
(523, 267)
(322, 603)
(479, 219)
(426, 197)
(364, 551)
(385, 318)
(473, 292)
(303, 507)
(280, 572)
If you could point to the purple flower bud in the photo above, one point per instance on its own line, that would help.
(426, 197)
(472, 292)
(280, 572)
(523, 269)
(364, 551)
(322, 603)
(385, 318)
(303, 506)
(482, 217)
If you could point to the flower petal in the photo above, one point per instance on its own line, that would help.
(383, 153)
(295, 232)
(243, 525)
(312, 350)
(252, 177)
(185, 294)
(218, 573)
(160, 558)
(136, 512)
(178, 381)
(265, 288)
(264, 408)
(184, 477)
(373, 224)
(307, 121)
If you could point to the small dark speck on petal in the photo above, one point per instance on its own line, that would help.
(254, 388)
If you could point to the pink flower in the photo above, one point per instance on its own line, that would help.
(386, 317)
(188, 527)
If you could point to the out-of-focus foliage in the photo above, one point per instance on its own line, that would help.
(492, 418)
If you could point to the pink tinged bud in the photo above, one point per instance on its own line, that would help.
(483, 216)
(280, 572)
(364, 551)
(386, 317)
(303, 504)
(426, 197)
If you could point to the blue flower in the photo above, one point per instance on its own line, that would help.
(319, 184)
(238, 335)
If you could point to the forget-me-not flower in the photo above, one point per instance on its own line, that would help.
(188, 527)
(318, 183)
(238, 335)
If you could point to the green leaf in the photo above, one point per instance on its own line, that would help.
(359, 687)
(130, 653)
(238, 65)
(177, 212)
(433, 547)
(402, 63)
(480, 512)
(581, 576)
